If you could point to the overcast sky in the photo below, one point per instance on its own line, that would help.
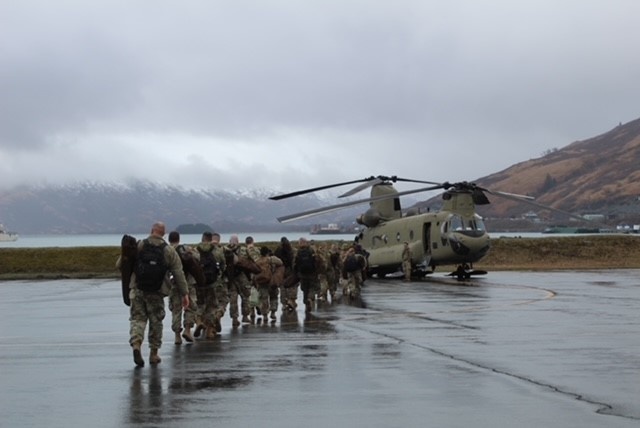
(287, 94)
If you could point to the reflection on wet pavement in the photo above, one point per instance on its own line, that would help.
(536, 349)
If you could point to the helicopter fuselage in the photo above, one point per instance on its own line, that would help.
(439, 238)
(454, 235)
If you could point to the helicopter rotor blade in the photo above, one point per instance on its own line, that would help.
(361, 187)
(529, 200)
(331, 208)
(315, 189)
(381, 179)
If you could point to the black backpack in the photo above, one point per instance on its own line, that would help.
(305, 261)
(210, 266)
(151, 268)
(351, 263)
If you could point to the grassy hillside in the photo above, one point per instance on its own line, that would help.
(579, 252)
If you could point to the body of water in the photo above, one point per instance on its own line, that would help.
(108, 240)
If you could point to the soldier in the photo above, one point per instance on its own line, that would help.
(333, 270)
(175, 303)
(253, 254)
(220, 286)
(239, 280)
(353, 265)
(305, 266)
(323, 267)
(149, 285)
(267, 282)
(406, 261)
(289, 286)
(210, 260)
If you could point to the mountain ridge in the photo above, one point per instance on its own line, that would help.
(600, 175)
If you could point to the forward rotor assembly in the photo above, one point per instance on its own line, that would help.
(478, 194)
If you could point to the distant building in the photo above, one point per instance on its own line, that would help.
(531, 216)
(594, 217)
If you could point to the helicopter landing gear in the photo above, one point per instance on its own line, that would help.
(466, 271)
(462, 272)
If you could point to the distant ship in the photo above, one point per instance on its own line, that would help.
(6, 236)
(566, 229)
(330, 229)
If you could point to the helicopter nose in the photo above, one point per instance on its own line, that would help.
(476, 247)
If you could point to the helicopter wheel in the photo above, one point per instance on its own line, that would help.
(462, 272)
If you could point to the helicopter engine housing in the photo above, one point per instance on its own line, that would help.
(370, 218)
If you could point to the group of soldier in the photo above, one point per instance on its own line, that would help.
(205, 280)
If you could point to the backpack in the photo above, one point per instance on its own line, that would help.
(151, 268)
(210, 266)
(351, 264)
(305, 261)
(264, 277)
(190, 266)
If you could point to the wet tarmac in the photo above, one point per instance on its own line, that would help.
(512, 348)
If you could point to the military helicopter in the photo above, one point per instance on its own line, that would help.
(454, 235)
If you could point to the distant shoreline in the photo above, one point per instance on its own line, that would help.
(582, 252)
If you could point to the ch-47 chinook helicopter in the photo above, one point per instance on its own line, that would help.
(454, 235)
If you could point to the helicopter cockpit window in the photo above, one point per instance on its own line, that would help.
(473, 226)
(479, 223)
(456, 223)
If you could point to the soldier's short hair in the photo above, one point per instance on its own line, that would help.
(174, 237)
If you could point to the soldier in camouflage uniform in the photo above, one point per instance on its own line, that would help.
(239, 279)
(253, 253)
(333, 270)
(323, 261)
(353, 265)
(175, 299)
(289, 287)
(149, 306)
(208, 307)
(267, 283)
(305, 266)
(406, 262)
(220, 286)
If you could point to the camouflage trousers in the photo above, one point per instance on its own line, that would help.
(353, 286)
(406, 268)
(190, 313)
(268, 299)
(222, 296)
(324, 286)
(288, 294)
(310, 286)
(239, 286)
(207, 305)
(146, 307)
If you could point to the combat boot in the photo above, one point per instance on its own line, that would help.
(273, 315)
(211, 333)
(137, 355)
(235, 322)
(186, 333)
(178, 340)
(154, 358)
(245, 319)
(198, 331)
(218, 325)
